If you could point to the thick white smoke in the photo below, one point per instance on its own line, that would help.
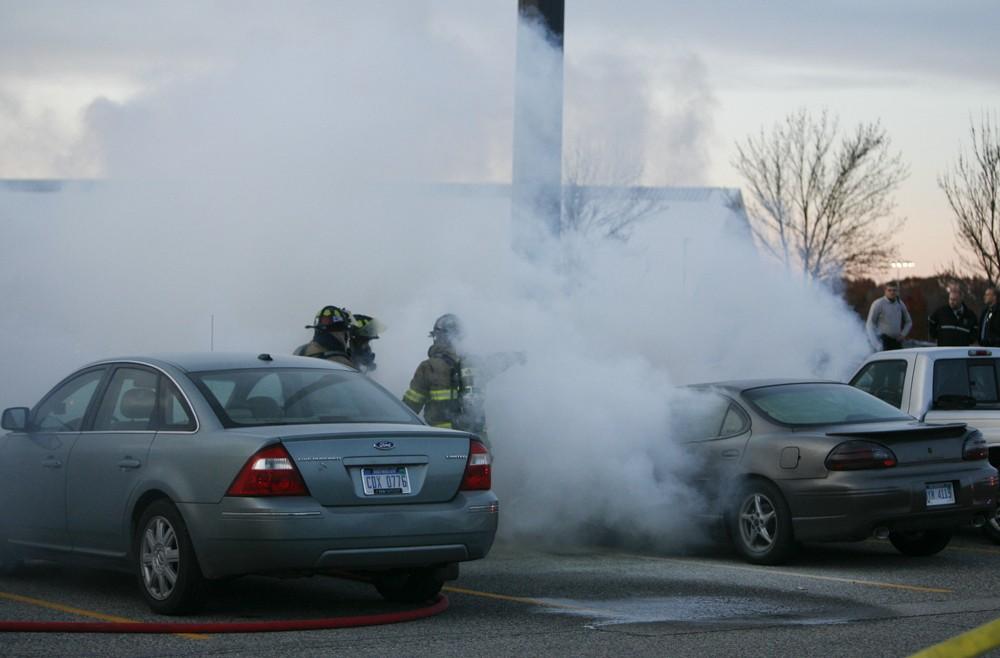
(288, 180)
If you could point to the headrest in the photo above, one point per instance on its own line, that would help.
(138, 403)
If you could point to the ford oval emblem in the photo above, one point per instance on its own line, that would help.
(384, 445)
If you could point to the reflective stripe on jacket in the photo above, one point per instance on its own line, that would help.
(953, 329)
(443, 390)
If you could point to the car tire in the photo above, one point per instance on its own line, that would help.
(992, 528)
(920, 543)
(413, 586)
(760, 524)
(169, 576)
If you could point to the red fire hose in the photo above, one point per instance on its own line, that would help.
(437, 606)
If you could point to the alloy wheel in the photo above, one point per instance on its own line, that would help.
(159, 558)
(758, 523)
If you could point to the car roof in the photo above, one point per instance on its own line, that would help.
(206, 361)
(740, 385)
(935, 352)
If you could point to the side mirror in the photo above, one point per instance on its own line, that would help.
(15, 419)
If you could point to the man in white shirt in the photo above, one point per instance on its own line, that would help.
(888, 320)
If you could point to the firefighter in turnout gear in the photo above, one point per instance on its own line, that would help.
(447, 386)
(364, 329)
(331, 330)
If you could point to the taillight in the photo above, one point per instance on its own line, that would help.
(270, 472)
(478, 471)
(975, 447)
(859, 455)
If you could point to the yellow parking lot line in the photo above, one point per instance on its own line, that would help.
(52, 605)
(967, 645)
(797, 574)
(518, 599)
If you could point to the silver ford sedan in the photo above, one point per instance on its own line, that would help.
(190, 467)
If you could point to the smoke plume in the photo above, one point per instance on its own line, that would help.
(296, 175)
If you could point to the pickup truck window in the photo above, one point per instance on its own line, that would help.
(884, 380)
(965, 383)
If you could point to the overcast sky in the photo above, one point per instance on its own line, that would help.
(671, 84)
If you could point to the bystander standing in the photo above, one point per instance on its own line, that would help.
(888, 320)
(989, 322)
(954, 324)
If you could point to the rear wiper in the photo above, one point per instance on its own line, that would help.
(953, 401)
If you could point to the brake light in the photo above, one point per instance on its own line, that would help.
(975, 447)
(980, 353)
(859, 455)
(270, 472)
(478, 470)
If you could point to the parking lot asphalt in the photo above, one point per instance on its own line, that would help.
(859, 599)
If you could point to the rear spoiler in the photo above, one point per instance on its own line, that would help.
(919, 432)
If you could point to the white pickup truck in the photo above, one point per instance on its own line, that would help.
(941, 385)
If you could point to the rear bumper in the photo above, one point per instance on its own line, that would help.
(260, 535)
(851, 505)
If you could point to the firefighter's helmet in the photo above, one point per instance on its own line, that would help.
(331, 318)
(365, 326)
(447, 328)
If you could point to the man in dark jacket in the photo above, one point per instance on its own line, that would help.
(989, 322)
(953, 324)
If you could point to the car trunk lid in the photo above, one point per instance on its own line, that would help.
(912, 443)
(380, 467)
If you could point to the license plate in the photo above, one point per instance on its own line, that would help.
(940, 493)
(386, 480)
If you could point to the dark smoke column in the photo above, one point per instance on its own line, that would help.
(538, 109)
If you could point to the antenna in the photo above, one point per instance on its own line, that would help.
(212, 338)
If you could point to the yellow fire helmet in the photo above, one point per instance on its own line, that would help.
(365, 326)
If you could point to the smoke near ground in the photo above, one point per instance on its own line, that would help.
(291, 178)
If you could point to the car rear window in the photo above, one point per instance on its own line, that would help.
(297, 396)
(820, 404)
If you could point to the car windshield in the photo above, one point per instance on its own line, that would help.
(820, 404)
(296, 396)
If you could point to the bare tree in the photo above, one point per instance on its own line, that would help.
(602, 193)
(820, 202)
(973, 191)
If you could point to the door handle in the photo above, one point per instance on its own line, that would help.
(732, 452)
(129, 463)
(51, 462)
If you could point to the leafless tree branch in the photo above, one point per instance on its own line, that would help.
(820, 204)
(602, 193)
(972, 188)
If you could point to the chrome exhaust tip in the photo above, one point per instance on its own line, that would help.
(881, 532)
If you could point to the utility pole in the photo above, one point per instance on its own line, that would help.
(536, 200)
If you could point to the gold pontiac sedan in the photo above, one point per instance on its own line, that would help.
(790, 461)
